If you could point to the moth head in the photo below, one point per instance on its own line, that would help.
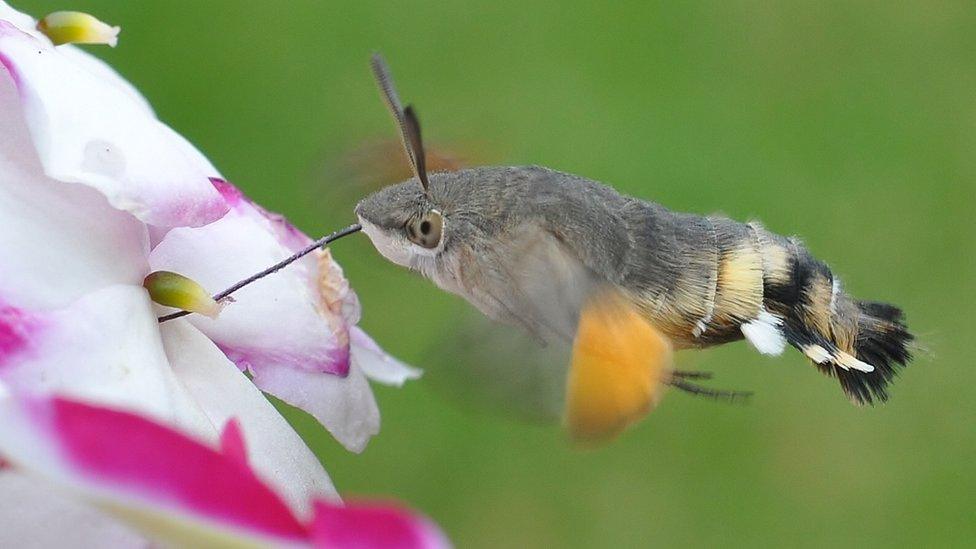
(402, 220)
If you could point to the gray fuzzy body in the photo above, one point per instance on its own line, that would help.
(527, 245)
(503, 221)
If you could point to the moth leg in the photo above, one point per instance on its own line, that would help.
(718, 394)
(691, 374)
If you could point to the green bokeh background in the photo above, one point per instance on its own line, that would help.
(849, 123)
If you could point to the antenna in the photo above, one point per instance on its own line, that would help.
(405, 118)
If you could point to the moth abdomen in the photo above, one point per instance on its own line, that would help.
(740, 280)
(861, 343)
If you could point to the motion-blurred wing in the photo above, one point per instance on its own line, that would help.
(498, 368)
(619, 360)
(529, 278)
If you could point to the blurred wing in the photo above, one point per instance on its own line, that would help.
(529, 278)
(619, 361)
(497, 368)
(619, 366)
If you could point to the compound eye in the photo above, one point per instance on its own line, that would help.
(426, 230)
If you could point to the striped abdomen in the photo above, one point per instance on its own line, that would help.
(739, 280)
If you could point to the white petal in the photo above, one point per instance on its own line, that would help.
(59, 240)
(87, 129)
(21, 20)
(345, 406)
(188, 150)
(106, 75)
(376, 364)
(104, 348)
(280, 328)
(275, 451)
(36, 515)
(273, 321)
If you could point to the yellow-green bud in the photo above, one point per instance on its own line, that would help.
(176, 290)
(75, 27)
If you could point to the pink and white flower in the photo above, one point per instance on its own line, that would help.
(175, 489)
(96, 193)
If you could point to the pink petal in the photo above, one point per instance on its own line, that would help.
(132, 462)
(105, 347)
(345, 406)
(93, 132)
(232, 442)
(125, 449)
(366, 525)
(59, 240)
(275, 451)
(18, 328)
(178, 489)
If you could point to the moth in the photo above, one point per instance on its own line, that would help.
(625, 281)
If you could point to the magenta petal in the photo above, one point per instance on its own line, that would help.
(134, 455)
(17, 329)
(368, 525)
(232, 442)
(275, 451)
(231, 194)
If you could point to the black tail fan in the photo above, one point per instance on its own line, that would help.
(882, 341)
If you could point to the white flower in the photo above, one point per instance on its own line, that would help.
(95, 193)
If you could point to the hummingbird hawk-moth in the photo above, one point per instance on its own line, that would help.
(623, 280)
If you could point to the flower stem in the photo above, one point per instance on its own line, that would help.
(322, 242)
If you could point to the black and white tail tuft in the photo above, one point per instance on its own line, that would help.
(864, 344)
(882, 341)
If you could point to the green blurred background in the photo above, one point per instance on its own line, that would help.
(848, 123)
